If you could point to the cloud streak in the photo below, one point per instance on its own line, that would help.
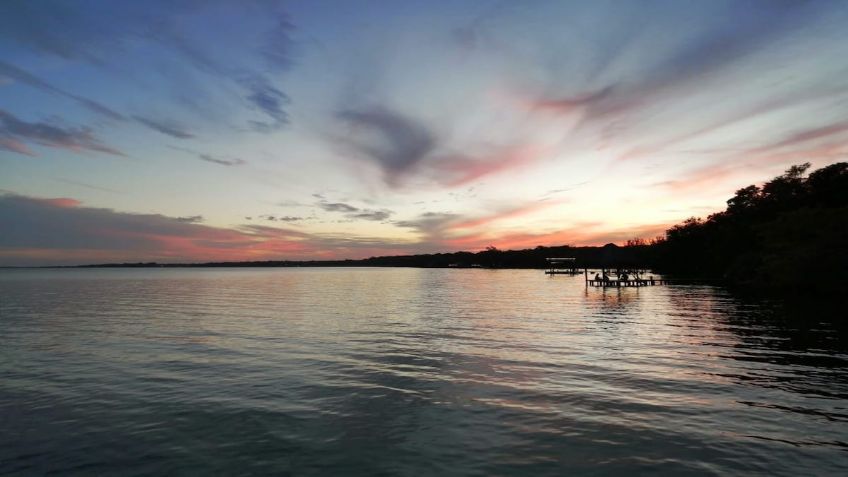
(222, 161)
(729, 43)
(88, 186)
(808, 135)
(337, 207)
(17, 74)
(266, 98)
(14, 131)
(355, 213)
(14, 73)
(393, 141)
(716, 46)
(109, 34)
(11, 144)
(164, 127)
(281, 218)
(404, 147)
(448, 229)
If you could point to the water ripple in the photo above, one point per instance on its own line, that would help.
(410, 372)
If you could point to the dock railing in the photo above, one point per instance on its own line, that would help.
(622, 278)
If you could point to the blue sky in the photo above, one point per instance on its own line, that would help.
(222, 130)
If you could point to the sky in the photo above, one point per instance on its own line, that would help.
(190, 131)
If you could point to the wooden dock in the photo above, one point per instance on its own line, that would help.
(636, 282)
(562, 266)
(622, 278)
(618, 277)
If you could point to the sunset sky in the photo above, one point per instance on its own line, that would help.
(220, 130)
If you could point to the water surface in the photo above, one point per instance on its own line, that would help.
(409, 372)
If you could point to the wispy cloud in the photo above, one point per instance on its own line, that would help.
(265, 97)
(828, 131)
(223, 161)
(14, 145)
(165, 127)
(15, 131)
(734, 117)
(449, 229)
(259, 91)
(88, 186)
(639, 109)
(352, 212)
(404, 147)
(390, 139)
(567, 104)
(281, 218)
(105, 33)
(463, 169)
(278, 41)
(715, 46)
(430, 224)
(17, 74)
(504, 214)
(337, 207)
(169, 128)
(375, 215)
(706, 178)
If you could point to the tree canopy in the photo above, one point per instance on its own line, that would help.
(789, 234)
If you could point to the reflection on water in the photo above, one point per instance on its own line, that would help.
(409, 371)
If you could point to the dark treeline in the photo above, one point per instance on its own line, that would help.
(609, 255)
(791, 234)
(788, 235)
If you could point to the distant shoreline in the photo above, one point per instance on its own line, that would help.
(607, 256)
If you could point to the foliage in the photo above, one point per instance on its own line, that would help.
(789, 234)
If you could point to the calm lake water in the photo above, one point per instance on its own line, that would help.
(409, 372)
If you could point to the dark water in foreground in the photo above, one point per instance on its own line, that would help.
(408, 372)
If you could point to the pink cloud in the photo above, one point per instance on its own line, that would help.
(578, 236)
(805, 136)
(61, 202)
(741, 115)
(559, 105)
(705, 178)
(514, 212)
(462, 170)
(11, 144)
(451, 232)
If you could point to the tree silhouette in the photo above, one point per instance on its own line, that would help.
(789, 234)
